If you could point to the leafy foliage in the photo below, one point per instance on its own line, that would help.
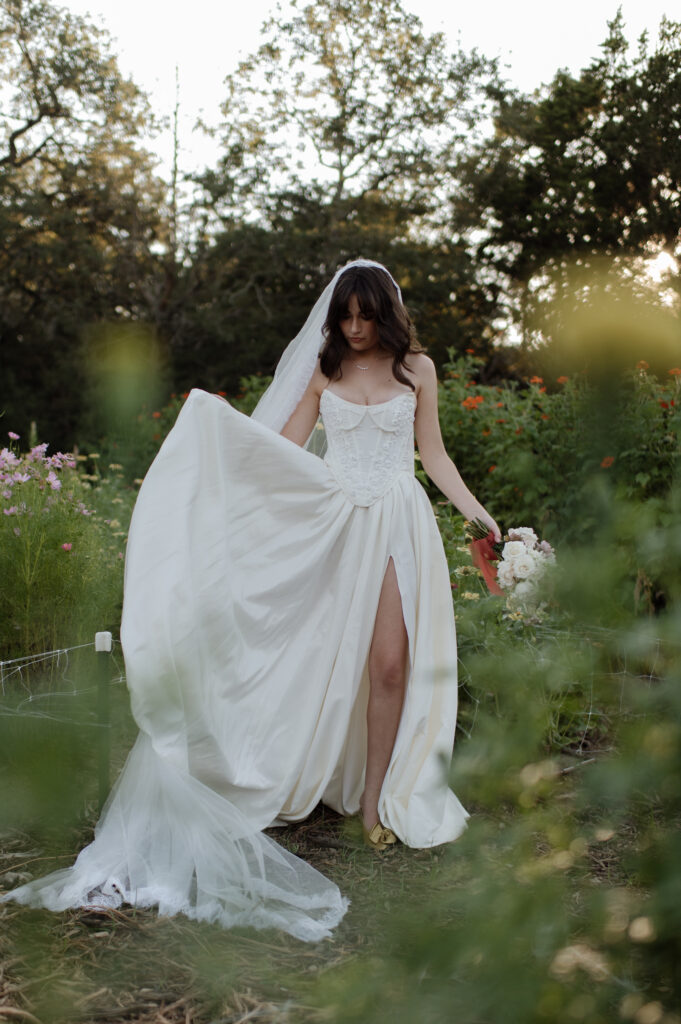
(61, 560)
(376, 106)
(586, 167)
(80, 207)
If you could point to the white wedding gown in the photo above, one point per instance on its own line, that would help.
(253, 575)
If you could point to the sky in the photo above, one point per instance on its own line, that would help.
(206, 38)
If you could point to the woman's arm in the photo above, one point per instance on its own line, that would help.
(303, 418)
(434, 458)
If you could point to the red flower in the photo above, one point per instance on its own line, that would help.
(470, 351)
(665, 405)
(500, 421)
(545, 417)
(562, 379)
(642, 365)
(222, 394)
(519, 430)
(543, 389)
(486, 432)
(607, 462)
(185, 394)
(675, 371)
(499, 405)
(491, 469)
(472, 402)
(536, 380)
(156, 415)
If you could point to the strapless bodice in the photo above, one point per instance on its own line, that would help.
(369, 446)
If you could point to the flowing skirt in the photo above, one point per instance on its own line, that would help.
(251, 589)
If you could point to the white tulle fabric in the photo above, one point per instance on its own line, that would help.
(252, 580)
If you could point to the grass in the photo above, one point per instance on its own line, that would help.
(558, 904)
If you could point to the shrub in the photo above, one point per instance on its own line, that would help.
(61, 563)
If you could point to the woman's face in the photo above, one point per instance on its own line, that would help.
(360, 332)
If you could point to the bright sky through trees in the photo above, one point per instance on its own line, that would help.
(205, 40)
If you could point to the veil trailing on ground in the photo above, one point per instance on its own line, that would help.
(296, 366)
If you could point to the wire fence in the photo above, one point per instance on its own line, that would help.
(50, 686)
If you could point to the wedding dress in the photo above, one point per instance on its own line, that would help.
(253, 575)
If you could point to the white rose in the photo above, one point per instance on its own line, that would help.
(512, 549)
(524, 565)
(505, 577)
(524, 534)
(524, 591)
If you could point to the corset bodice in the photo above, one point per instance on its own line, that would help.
(369, 446)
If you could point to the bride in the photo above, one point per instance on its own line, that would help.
(288, 632)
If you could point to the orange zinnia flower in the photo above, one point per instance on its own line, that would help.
(675, 371)
(536, 380)
(607, 462)
(562, 379)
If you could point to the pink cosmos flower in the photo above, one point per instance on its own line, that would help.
(66, 547)
(21, 478)
(37, 453)
(7, 494)
(11, 511)
(53, 480)
(12, 436)
(9, 458)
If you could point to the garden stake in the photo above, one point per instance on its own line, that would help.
(103, 645)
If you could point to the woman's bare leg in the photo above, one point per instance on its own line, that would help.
(387, 677)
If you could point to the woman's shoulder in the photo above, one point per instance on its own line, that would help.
(319, 380)
(421, 368)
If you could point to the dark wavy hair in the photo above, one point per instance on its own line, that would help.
(378, 300)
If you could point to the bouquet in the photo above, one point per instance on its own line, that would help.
(523, 562)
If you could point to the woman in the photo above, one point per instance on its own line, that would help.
(370, 359)
(288, 632)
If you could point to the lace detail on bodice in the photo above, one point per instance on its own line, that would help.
(369, 446)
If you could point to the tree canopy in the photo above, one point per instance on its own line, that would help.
(80, 207)
(586, 168)
(350, 131)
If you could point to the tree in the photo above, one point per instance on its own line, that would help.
(339, 132)
(344, 99)
(79, 208)
(586, 173)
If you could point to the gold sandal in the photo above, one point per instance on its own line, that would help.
(379, 837)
